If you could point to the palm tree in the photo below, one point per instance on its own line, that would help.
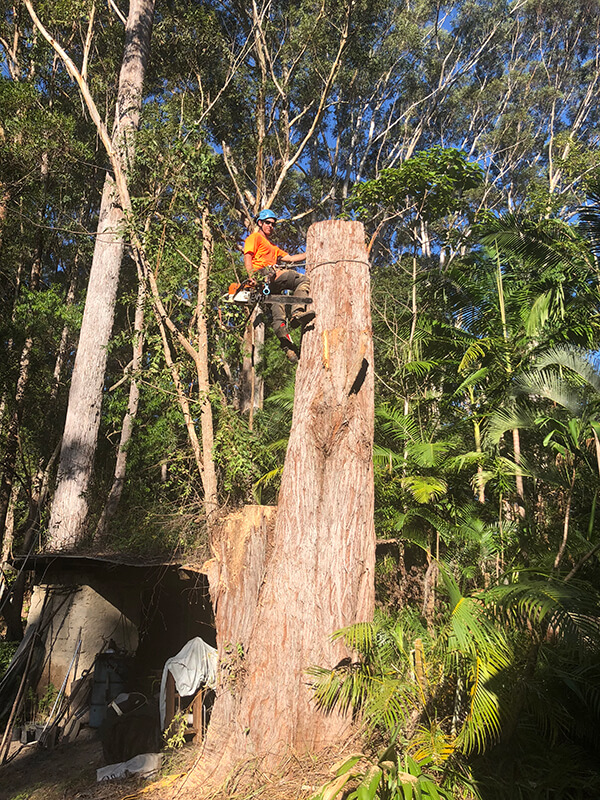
(562, 403)
(532, 287)
(508, 683)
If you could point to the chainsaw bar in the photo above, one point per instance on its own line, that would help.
(235, 307)
(284, 299)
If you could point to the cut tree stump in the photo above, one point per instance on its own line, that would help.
(280, 590)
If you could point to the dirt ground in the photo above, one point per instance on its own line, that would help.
(68, 772)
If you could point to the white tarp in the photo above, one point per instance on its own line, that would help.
(194, 665)
(145, 765)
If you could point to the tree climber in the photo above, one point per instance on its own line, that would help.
(261, 258)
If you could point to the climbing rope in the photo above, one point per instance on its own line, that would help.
(342, 261)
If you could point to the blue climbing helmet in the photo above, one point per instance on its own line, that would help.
(265, 214)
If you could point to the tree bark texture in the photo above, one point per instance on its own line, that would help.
(317, 575)
(211, 500)
(70, 505)
(252, 385)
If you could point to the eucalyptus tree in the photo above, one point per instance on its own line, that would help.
(49, 183)
(70, 506)
(419, 218)
(511, 84)
(527, 110)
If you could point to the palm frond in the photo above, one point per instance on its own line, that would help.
(505, 420)
(442, 525)
(579, 361)
(397, 425)
(428, 454)
(282, 399)
(566, 612)
(539, 314)
(425, 488)
(419, 368)
(386, 457)
(359, 637)
(472, 379)
(268, 479)
(544, 244)
(550, 385)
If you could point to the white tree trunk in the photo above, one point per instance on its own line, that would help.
(70, 506)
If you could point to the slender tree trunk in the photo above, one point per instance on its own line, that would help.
(566, 521)
(4, 200)
(198, 352)
(477, 436)
(4, 416)
(61, 354)
(317, 573)
(12, 619)
(116, 490)
(182, 398)
(206, 417)
(516, 436)
(252, 384)
(479, 484)
(11, 446)
(11, 598)
(70, 506)
(520, 507)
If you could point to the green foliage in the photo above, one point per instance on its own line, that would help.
(477, 686)
(36, 708)
(390, 777)
(435, 180)
(236, 456)
(174, 735)
(465, 160)
(7, 651)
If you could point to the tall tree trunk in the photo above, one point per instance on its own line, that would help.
(11, 598)
(519, 505)
(4, 199)
(516, 437)
(182, 397)
(70, 506)
(479, 486)
(198, 351)
(317, 573)
(11, 445)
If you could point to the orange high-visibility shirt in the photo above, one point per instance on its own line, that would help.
(264, 253)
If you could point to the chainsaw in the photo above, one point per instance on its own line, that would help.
(244, 297)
